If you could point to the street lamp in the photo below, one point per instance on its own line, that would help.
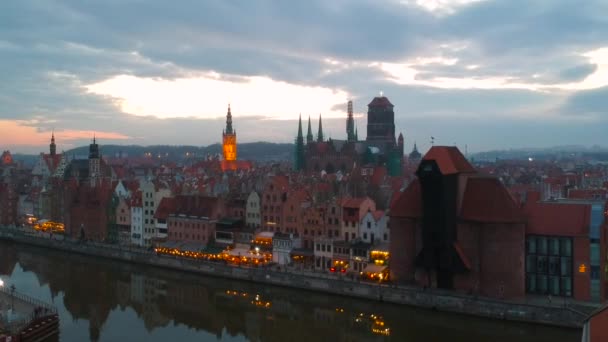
(12, 297)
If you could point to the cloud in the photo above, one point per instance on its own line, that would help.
(206, 96)
(92, 66)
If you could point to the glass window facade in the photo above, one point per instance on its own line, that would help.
(549, 265)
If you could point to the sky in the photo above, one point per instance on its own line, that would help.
(477, 73)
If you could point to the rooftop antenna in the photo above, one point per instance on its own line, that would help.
(432, 141)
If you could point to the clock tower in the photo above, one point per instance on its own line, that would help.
(229, 139)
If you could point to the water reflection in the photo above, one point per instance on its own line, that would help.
(100, 300)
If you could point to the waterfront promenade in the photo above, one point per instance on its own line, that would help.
(533, 309)
(26, 318)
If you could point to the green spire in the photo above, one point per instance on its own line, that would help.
(309, 137)
(299, 157)
(229, 121)
(300, 128)
(320, 133)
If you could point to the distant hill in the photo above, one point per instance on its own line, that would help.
(258, 151)
(596, 152)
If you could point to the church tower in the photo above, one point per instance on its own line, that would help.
(381, 124)
(350, 124)
(229, 139)
(52, 146)
(94, 162)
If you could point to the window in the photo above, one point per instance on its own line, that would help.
(369, 225)
(365, 236)
(549, 265)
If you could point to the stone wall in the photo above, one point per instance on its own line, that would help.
(322, 282)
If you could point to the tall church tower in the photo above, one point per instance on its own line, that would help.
(229, 139)
(381, 124)
(52, 146)
(94, 162)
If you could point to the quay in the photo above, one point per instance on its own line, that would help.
(25, 319)
(531, 310)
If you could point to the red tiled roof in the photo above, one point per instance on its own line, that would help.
(554, 218)
(165, 208)
(449, 160)
(380, 102)
(199, 206)
(487, 200)
(408, 202)
(353, 202)
(378, 214)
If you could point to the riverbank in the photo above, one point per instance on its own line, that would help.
(558, 315)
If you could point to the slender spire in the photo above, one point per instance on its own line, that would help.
(299, 158)
(320, 133)
(53, 147)
(94, 149)
(300, 136)
(229, 121)
(350, 123)
(356, 134)
(309, 137)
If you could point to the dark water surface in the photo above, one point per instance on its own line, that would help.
(101, 300)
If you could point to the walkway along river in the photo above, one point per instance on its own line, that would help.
(103, 300)
(442, 301)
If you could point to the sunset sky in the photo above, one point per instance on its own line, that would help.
(482, 73)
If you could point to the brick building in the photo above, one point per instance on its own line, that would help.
(453, 228)
(194, 218)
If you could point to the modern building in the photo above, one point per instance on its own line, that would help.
(566, 248)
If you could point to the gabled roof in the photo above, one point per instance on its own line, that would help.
(487, 200)
(353, 202)
(449, 160)
(165, 208)
(409, 202)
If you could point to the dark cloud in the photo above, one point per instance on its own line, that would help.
(588, 103)
(578, 72)
(50, 49)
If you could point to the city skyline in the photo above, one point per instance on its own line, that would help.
(486, 74)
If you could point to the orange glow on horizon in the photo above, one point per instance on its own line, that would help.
(14, 133)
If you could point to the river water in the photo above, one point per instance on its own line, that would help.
(102, 300)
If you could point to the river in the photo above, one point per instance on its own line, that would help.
(103, 300)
